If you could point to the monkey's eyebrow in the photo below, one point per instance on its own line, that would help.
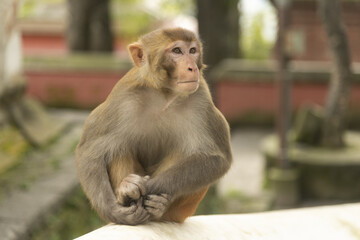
(194, 44)
(174, 44)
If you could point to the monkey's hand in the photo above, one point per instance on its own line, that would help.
(156, 205)
(132, 215)
(131, 189)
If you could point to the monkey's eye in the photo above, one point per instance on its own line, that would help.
(192, 50)
(176, 50)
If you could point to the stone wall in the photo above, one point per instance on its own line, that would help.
(245, 91)
(249, 88)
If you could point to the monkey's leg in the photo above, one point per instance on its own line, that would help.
(127, 180)
(184, 206)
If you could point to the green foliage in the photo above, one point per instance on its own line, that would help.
(125, 2)
(211, 203)
(12, 142)
(176, 7)
(76, 218)
(255, 46)
(131, 18)
(28, 7)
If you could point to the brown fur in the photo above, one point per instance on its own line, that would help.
(120, 168)
(149, 126)
(184, 206)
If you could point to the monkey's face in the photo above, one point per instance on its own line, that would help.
(182, 65)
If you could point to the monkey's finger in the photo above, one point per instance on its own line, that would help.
(132, 176)
(155, 213)
(138, 181)
(134, 194)
(139, 204)
(167, 196)
(156, 198)
(137, 218)
(141, 214)
(142, 189)
(128, 210)
(147, 177)
(144, 218)
(138, 185)
(154, 204)
(155, 208)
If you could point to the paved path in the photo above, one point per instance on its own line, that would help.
(22, 210)
(246, 173)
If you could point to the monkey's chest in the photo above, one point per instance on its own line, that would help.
(176, 133)
(151, 149)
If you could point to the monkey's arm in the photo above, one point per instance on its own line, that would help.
(93, 155)
(94, 178)
(192, 173)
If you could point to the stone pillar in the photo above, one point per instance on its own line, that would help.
(10, 53)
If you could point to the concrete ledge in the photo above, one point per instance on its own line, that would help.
(102, 63)
(334, 222)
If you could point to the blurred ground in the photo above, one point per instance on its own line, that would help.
(41, 182)
(246, 174)
(24, 208)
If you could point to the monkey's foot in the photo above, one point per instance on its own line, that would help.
(156, 205)
(131, 189)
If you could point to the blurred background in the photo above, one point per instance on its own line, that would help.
(285, 74)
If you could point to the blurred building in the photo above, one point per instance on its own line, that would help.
(244, 91)
(307, 38)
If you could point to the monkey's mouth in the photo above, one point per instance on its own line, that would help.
(188, 86)
(192, 81)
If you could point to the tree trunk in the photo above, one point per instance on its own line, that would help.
(338, 96)
(89, 26)
(219, 29)
(284, 83)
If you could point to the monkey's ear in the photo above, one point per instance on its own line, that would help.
(137, 54)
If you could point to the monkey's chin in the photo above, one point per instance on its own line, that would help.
(187, 87)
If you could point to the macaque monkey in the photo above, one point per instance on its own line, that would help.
(152, 149)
